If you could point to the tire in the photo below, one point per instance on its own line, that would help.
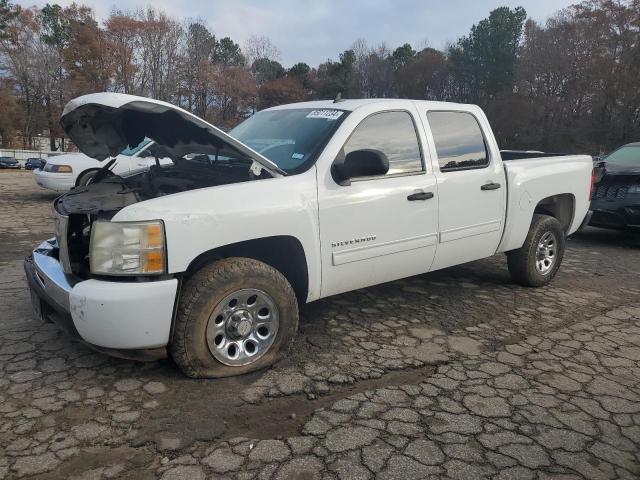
(206, 312)
(85, 177)
(523, 263)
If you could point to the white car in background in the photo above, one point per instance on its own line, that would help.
(63, 172)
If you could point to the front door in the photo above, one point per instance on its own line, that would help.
(380, 228)
(471, 188)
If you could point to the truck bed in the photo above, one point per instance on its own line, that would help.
(508, 155)
(532, 180)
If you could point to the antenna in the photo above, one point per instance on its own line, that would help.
(338, 98)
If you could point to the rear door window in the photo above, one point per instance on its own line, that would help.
(459, 141)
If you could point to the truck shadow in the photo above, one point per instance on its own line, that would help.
(440, 299)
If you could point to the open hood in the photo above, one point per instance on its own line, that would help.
(103, 124)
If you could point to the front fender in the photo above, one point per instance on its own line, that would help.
(201, 220)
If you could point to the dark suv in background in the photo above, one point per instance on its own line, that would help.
(9, 162)
(615, 201)
(34, 164)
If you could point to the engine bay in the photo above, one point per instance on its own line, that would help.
(109, 193)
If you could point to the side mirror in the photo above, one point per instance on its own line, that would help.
(359, 163)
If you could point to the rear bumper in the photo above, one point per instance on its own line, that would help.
(616, 203)
(616, 217)
(117, 317)
(58, 182)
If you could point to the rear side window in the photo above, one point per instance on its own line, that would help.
(627, 155)
(458, 140)
(394, 134)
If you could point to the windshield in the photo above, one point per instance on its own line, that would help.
(627, 155)
(290, 138)
(130, 151)
(8, 160)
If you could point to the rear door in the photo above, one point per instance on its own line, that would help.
(379, 228)
(471, 187)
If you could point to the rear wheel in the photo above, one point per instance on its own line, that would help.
(235, 316)
(538, 260)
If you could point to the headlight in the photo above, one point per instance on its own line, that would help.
(58, 168)
(127, 248)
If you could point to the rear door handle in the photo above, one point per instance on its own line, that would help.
(420, 196)
(490, 186)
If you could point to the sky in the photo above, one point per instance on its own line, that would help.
(314, 30)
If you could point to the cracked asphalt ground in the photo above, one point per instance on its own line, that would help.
(456, 374)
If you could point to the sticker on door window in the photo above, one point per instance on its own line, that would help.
(326, 114)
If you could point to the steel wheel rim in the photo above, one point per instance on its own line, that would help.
(546, 253)
(242, 327)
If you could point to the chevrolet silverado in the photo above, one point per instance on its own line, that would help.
(207, 258)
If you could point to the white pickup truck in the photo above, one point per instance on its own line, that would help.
(209, 257)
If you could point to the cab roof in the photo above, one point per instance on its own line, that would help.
(354, 104)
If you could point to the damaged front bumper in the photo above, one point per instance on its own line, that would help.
(122, 318)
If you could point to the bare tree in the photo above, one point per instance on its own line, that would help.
(123, 33)
(258, 47)
(10, 117)
(160, 39)
(195, 63)
(374, 76)
(18, 45)
(425, 76)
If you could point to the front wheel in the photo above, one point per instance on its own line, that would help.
(538, 260)
(85, 178)
(235, 316)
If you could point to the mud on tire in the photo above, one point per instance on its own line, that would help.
(522, 262)
(202, 294)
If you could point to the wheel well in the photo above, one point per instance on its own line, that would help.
(560, 206)
(284, 253)
(85, 171)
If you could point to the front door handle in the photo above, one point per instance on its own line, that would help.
(420, 196)
(490, 186)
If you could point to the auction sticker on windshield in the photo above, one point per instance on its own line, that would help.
(326, 114)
